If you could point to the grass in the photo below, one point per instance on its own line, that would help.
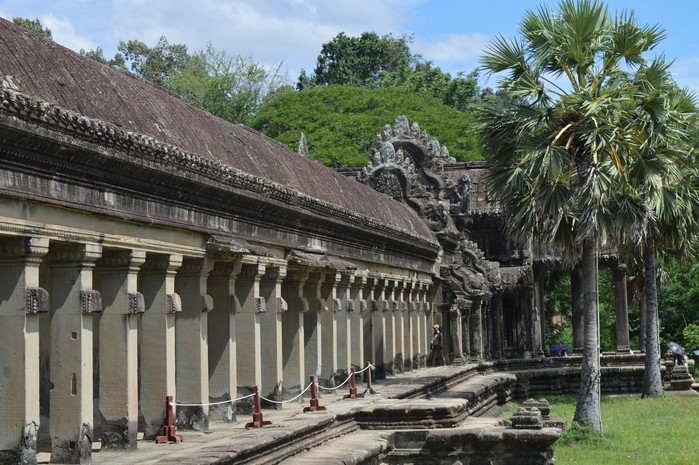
(662, 431)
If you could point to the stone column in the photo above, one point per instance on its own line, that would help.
(346, 339)
(465, 330)
(293, 334)
(389, 316)
(577, 308)
(377, 326)
(402, 357)
(412, 326)
(476, 323)
(426, 320)
(223, 376)
(328, 309)
(21, 300)
(498, 323)
(156, 281)
(248, 309)
(538, 324)
(191, 343)
(356, 317)
(72, 303)
(271, 329)
(622, 309)
(116, 276)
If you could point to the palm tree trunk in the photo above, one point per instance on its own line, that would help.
(652, 378)
(587, 410)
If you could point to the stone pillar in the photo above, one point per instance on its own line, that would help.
(327, 309)
(271, 330)
(156, 281)
(21, 300)
(402, 344)
(465, 318)
(414, 326)
(427, 319)
(72, 302)
(389, 316)
(343, 310)
(192, 343)
(538, 324)
(498, 330)
(223, 367)
(476, 323)
(622, 309)
(355, 319)
(116, 276)
(377, 326)
(312, 341)
(249, 307)
(577, 308)
(293, 333)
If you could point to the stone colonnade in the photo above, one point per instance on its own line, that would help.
(621, 306)
(97, 336)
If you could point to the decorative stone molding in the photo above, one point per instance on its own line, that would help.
(174, 303)
(282, 305)
(37, 300)
(525, 418)
(90, 301)
(337, 305)
(541, 404)
(260, 305)
(137, 303)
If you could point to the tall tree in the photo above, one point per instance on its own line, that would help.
(358, 61)
(156, 64)
(559, 140)
(664, 172)
(33, 25)
(231, 87)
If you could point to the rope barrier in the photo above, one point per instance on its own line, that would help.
(179, 404)
(288, 400)
(369, 366)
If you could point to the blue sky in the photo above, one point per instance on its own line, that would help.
(450, 33)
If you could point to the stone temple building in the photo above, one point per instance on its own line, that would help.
(149, 249)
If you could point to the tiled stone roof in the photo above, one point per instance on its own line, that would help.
(66, 89)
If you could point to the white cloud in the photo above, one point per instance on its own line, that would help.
(454, 47)
(270, 31)
(64, 33)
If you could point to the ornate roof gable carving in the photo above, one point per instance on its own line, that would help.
(408, 165)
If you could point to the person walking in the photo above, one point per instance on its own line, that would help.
(436, 345)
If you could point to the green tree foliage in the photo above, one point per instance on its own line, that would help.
(580, 103)
(98, 55)
(372, 61)
(231, 87)
(358, 61)
(33, 25)
(156, 64)
(678, 299)
(340, 122)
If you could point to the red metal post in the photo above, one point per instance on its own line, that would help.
(169, 430)
(353, 388)
(257, 420)
(315, 406)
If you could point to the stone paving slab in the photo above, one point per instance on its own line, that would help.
(232, 443)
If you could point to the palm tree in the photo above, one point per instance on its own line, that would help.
(558, 140)
(665, 176)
